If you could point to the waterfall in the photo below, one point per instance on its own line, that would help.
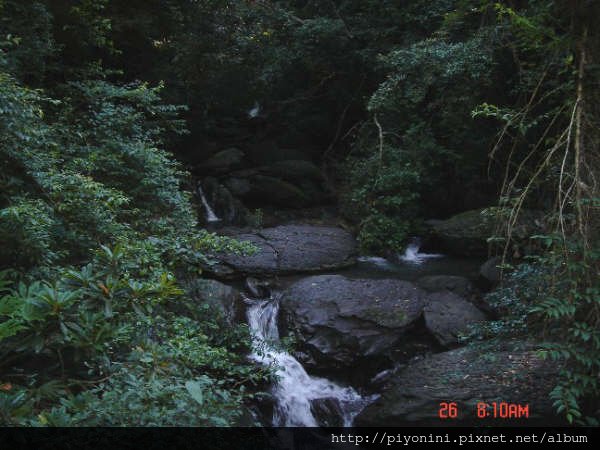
(294, 390)
(254, 111)
(412, 254)
(210, 214)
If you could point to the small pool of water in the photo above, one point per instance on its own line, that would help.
(376, 267)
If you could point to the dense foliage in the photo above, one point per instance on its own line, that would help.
(98, 244)
(549, 144)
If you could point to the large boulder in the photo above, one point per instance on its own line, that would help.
(257, 288)
(268, 152)
(294, 248)
(276, 191)
(227, 207)
(224, 300)
(341, 321)
(223, 161)
(293, 170)
(435, 283)
(238, 186)
(447, 316)
(490, 271)
(466, 234)
(264, 261)
(465, 376)
(327, 412)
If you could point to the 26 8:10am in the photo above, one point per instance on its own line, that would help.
(492, 410)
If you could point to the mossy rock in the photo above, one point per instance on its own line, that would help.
(293, 170)
(465, 376)
(467, 233)
(224, 160)
(277, 192)
(342, 322)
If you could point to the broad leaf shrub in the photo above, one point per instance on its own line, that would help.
(420, 136)
(98, 243)
(120, 344)
(552, 301)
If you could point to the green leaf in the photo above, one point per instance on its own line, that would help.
(195, 390)
(10, 328)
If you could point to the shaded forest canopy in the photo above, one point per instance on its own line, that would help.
(394, 112)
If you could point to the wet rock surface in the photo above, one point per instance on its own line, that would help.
(490, 272)
(328, 412)
(351, 328)
(257, 288)
(435, 283)
(466, 233)
(341, 321)
(224, 299)
(447, 316)
(465, 376)
(293, 248)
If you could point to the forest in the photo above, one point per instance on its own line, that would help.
(298, 212)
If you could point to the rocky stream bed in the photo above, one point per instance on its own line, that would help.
(377, 341)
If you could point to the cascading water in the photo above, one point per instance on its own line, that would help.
(295, 389)
(412, 255)
(210, 214)
(254, 111)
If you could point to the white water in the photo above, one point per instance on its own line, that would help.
(255, 111)
(413, 256)
(295, 389)
(377, 261)
(210, 214)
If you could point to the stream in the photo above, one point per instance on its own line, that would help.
(296, 392)
(210, 214)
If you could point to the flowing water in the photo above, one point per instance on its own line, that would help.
(295, 390)
(210, 214)
(413, 256)
(412, 265)
(254, 111)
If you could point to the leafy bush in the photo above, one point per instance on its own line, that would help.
(553, 302)
(97, 235)
(125, 330)
(420, 137)
(383, 199)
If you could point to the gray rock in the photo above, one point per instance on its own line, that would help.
(328, 412)
(435, 283)
(341, 321)
(263, 261)
(294, 248)
(223, 299)
(277, 192)
(227, 207)
(257, 288)
(465, 376)
(268, 152)
(490, 271)
(238, 186)
(223, 160)
(466, 233)
(293, 170)
(447, 316)
(309, 247)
